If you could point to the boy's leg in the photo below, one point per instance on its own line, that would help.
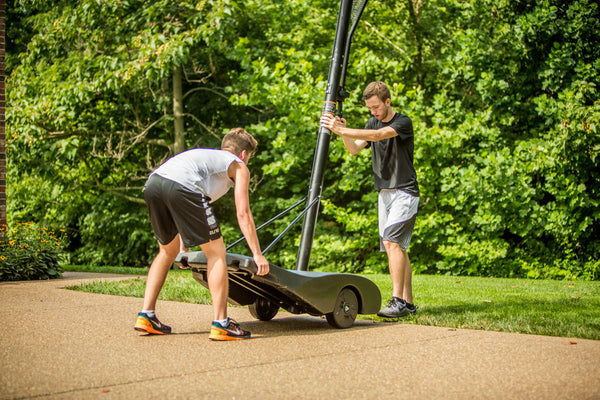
(158, 272)
(146, 320)
(218, 283)
(182, 248)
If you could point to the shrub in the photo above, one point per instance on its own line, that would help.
(28, 252)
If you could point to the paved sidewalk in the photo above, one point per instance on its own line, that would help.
(62, 344)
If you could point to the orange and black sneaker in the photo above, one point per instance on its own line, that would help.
(151, 325)
(231, 332)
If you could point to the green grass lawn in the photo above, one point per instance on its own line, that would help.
(541, 307)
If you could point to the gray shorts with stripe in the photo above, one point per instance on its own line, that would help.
(397, 214)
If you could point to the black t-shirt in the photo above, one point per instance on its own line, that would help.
(393, 157)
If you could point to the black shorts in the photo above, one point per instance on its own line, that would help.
(174, 209)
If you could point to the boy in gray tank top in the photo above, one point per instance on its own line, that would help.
(178, 195)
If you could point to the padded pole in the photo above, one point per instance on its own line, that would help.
(324, 136)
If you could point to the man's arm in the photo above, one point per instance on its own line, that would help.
(241, 176)
(354, 146)
(355, 139)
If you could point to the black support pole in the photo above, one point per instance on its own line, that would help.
(324, 137)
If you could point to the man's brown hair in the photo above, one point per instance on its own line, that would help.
(378, 89)
(237, 140)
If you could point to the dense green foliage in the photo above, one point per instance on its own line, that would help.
(503, 96)
(29, 252)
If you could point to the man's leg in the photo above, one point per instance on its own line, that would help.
(218, 283)
(400, 271)
(401, 274)
(396, 261)
(407, 290)
(158, 272)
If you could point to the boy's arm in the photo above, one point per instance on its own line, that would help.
(241, 176)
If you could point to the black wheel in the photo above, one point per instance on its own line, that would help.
(263, 309)
(345, 311)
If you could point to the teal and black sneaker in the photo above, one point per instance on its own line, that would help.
(231, 332)
(151, 325)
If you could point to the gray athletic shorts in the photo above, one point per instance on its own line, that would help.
(397, 215)
(174, 209)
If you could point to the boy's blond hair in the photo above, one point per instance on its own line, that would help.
(237, 140)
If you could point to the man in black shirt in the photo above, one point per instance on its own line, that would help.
(390, 136)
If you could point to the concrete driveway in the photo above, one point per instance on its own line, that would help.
(62, 344)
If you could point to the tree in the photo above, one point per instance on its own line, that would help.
(503, 164)
(91, 109)
(503, 98)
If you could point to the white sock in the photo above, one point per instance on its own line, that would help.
(223, 322)
(149, 313)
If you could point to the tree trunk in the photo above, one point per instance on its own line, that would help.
(178, 111)
(414, 9)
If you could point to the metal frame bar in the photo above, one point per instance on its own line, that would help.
(281, 214)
